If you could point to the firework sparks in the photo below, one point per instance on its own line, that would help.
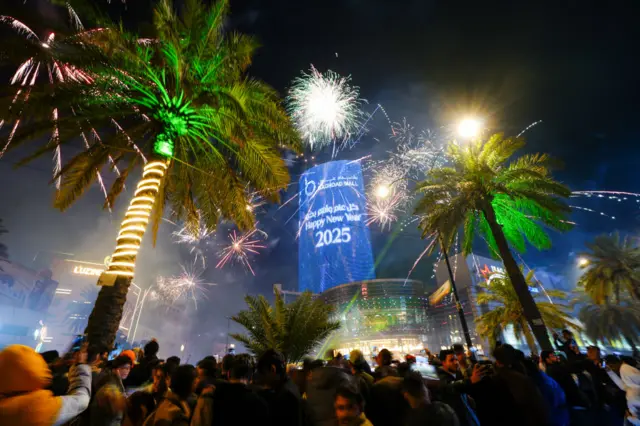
(57, 72)
(198, 238)
(383, 211)
(240, 248)
(325, 108)
(188, 285)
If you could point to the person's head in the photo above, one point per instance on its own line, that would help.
(349, 405)
(410, 359)
(207, 369)
(130, 354)
(458, 349)
(505, 355)
(160, 377)
(121, 366)
(227, 362)
(240, 369)
(50, 356)
(151, 348)
(613, 362)
(271, 367)
(183, 380)
(173, 360)
(549, 357)
(566, 334)
(593, 353)
(449, 361)
(384, 357)
(414, 389)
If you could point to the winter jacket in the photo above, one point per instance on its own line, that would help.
(23, 398)
(631, 378)
(140, 404)
(433, 414)
(230, 403)
(172, 411)
(109, 403)
(453, 392)
(554, 397)
(141, 373)
(285, 405)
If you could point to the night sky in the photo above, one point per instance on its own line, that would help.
(573, 65)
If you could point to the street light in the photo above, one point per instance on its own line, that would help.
(469, 128)
(583, 261)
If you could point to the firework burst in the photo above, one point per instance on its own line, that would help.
(325, 108)
(43, 63)
(241, 248)
(197, 237)
(188, 285)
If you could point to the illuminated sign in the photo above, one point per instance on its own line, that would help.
(334, 246)
(492, 272)
(84, 270)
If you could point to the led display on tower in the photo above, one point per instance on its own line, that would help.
(334, 244)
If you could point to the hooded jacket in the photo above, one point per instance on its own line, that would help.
(23, 398)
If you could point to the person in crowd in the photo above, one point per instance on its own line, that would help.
(207, 374)
(610, 400)
(24, 376)
(387, 406)
(506, 396)
(109, 403)
(143, 402)
(463, 360)
(454, 387)
(233, 403)
(175, 409)
(384, 360)
(227, 362)
(630, 376)
(131, 354)
(141, 373)
(551, 392)
(565, 343)
(578, 401)
(321, 386)
(363, 379)
(433, 358)
(175, 360)
(356, 356)
(280, 393)
(423, 410)
(349, 407)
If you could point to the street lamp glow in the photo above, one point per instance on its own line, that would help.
(181, 348)
(382, 191)
(583, 261)
(469, 128)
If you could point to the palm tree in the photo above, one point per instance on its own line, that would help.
(181, 106)
(612, 267)
(509, 201)
(509, 311)
(611, 322)
(294, 329)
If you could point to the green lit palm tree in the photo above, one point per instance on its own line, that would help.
(506, 310)
(509, 201)
(294, 329)
(612, 267)
(181, 106)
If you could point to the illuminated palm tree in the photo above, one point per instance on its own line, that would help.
(506, 310)
(612, 322)
(508, 201)
(181, 106)
(294, 329)
(612, 267)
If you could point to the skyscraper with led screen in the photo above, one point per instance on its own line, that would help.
(334, 244)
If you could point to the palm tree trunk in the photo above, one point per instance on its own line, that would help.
(115, 281)
(531, 342)
(531, 312)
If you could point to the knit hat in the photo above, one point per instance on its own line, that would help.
(129, 353)
(22, 370)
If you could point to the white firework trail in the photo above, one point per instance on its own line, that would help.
(188, 285)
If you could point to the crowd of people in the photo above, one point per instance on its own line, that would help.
(136, 388)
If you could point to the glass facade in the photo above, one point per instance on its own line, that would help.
(382, 313)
